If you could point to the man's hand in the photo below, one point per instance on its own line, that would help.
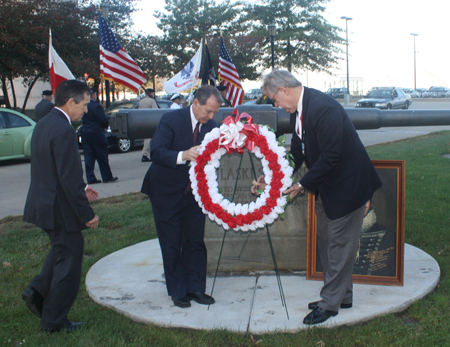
(93, 223)
(91, 194)
(191, 154)
(293, 191)
(258, 184)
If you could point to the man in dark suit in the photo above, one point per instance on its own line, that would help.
(57, 202)
(179, 220)
(95, 143)
(44, 106)
(341, 176)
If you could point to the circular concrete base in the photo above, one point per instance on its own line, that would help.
(131, 282)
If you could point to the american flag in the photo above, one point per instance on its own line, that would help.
(115, 63)
(230, 77)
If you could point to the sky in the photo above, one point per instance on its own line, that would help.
(381, 47)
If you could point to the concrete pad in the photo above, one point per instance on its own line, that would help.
(131, 281)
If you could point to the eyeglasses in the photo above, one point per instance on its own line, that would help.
(272, 99)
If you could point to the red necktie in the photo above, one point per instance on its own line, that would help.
(196, 133)
(298, 125)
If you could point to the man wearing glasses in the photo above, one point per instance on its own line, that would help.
(341, 176)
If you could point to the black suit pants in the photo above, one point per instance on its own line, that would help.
(92, 152)
(181, 232)
(60, 276)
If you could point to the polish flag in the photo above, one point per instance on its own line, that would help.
(59, 71)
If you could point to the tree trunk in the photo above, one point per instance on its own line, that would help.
(108, 97)
(13, 92)
(29, 91)
(288, 53)
(5, 93)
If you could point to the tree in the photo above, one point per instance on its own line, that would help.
(24, 37)
(188, 21)
(147, 53)
(304, 40)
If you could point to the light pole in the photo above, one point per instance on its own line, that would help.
(272, 31)
(414, 35)
(346, 39)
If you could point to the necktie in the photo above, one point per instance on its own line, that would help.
(196, 133)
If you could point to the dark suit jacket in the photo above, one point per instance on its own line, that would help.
(95, 121)
(56, 177)
(340, 169)
(42, 108)
(165, 182)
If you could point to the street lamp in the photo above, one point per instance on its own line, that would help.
(272, 31)
(346, 36)
(414, 58)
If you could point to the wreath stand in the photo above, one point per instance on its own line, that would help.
(274, 260)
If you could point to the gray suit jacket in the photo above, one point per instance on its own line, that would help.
(57, 188)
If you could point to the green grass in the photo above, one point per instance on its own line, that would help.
(126, 220)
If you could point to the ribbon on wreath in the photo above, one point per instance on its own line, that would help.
(235, 134)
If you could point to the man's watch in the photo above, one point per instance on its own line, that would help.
(302, 189)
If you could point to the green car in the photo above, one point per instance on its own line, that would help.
(16, 130)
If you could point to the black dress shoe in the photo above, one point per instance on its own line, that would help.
(144, 158)
(318, 315)
(69, 327)
(34, 301)
(94, 182)
(113, 179)
(313, 305)
(201, 298)
(181, 301)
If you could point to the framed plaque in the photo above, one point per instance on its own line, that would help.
(380, 257)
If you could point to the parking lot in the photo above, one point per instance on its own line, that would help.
(15, 174)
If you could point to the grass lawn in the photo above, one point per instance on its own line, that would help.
(126, 220)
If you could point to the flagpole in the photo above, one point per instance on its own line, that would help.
(195, 70)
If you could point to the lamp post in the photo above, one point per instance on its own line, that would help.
(347, 99)
(414, 35)
(272, 31)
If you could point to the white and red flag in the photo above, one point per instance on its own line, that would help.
(229, 76)
(59, 71)
(115, 63)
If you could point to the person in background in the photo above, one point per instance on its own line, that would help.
(179, 221)
(223, 93)
(177, 102)
(58, 202)
(341, 176)
(44, 106)
(148, 102)
(95, 143)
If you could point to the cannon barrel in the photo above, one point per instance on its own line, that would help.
(142, 123)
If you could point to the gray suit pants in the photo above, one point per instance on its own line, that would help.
(337, 242)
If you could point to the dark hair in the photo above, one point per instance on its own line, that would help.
(93, 91)
(71, 89)
(205, 92)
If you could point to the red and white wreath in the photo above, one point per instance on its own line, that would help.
(233, 136)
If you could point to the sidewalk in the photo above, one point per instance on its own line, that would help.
(131, 282)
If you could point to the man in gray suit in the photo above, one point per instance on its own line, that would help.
(44, 106)
(57, 202)
(340, 175)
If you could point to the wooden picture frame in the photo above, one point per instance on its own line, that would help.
(381, 246)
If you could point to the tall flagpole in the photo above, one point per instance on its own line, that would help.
(194, 79)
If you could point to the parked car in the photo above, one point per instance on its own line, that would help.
(253, 94)
(114, 143)
(421, 91)
(436, 92)
(337, 93)
(385, 98)
(411, 92)
(16, 130)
